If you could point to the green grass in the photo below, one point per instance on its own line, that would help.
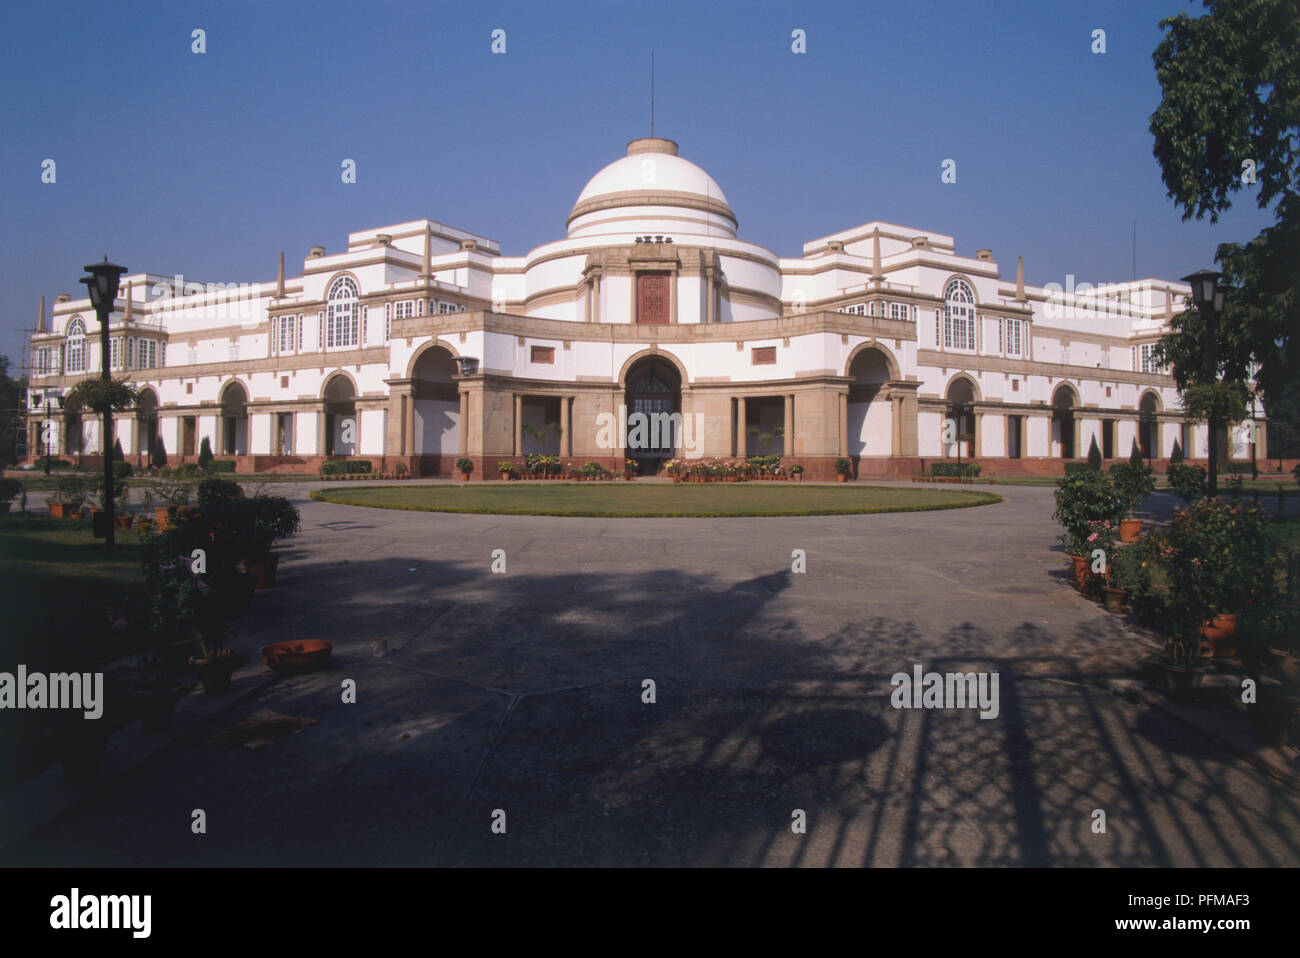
(644, 500)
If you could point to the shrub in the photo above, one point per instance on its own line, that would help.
(220, 466)
(796, 469)
(1133, 482)
(1223, 559)
(1135, 455)
(1177, 454)
(158, 454)
(71, 489)
(53, 463)
(121, 470)
(593, 469)
(1236, 468)
(205, 454)
(344, 467)
(118, 455)
(1187, 482)
(218, 492)
(95, 489)
(843, 466)
(1094, 456)
(1073, 467)
(955, 470)
(9, 489)
(187, 470)
(464, 465)
(1083, 498)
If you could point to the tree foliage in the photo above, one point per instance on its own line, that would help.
(1231, 104)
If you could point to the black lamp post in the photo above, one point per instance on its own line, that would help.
(1208, 294)
(102, 284)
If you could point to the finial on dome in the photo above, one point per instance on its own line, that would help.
(652, 144)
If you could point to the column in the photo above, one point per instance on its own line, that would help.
(321, 445)
(844, 424)
(789, 424)
(519, 425)
(464, 423)
(742, 436)
(566, 441)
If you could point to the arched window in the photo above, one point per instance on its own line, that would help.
(76, 352)
(958, 315)
(342, 320)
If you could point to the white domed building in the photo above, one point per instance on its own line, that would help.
(422, 344)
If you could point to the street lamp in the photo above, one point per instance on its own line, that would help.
(1208, 294)
(102, 284)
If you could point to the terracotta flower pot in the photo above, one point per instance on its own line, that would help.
(214, 673)
(61, 510)
(1081, 572)
(841, 477)
(123, 522)
(1183, 681)
(1219, 634)
(296, 658)
(1130, 530)
(265, 567)
(1115, 599)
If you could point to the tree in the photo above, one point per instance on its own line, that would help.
(1176, 455)
(205, 454)
(1094, 456)
(158, 454)
(13, 393)
(1135, 456)
(1229, 120)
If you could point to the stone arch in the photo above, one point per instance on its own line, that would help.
(652, 391)
(890, 361)
(146, 421)
(971, 383)
(434, 417)
(1064, 427)
(871, 409)
(1148, 433)
(663, 354)
(432, 344)
(232, 420)
(961, 394)
(340, 426)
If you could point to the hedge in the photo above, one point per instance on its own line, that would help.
(1072, 467)
(344, 467)
(955, 470)
(221, 465)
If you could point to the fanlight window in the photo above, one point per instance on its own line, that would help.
(343, 317)
(959, 316)
(76, 351)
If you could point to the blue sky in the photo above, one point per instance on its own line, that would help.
(212, 164)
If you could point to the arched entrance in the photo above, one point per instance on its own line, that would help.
(146, 423)
(342, 429)
(1148, 427)
(1063, 424)
(961, 410)
(234, 420)
(870, 416)
(654, 391)
(436, 398)
(73, 436)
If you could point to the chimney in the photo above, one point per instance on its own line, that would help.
(876, 273)
(384, 239)
(62, 298)
(279, 278)
(40, 317)
(316, 251)
(920, 242)
(984, 254)
(1020, 279)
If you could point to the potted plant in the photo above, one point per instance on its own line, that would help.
(70, 492)
(842, 469)
(1183, 667)
(1223, 563)
(1134, 481)
(507, 469)
(215, 665)
(630, 469)
(465, 467)
(1082, 499)
(796, 470)
(9, 490)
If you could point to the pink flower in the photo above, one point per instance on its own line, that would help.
(1093, 537)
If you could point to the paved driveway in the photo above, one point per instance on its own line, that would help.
(521, 695)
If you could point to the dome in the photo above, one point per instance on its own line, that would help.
(652, 189)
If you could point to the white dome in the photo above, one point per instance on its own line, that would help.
(652, 189)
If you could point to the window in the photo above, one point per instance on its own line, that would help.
(288, 339)
(1015, 385)
(406, 309)
(76, 346)
(898, 311)
(388, 324)
(857, 309)
(146, 354)
(284, 382)
(652, 298)
(764, 356)
(541, 354)
(43, 361)
(162, 354)
(1014, 337)
(1143, 361)
(343, 315)
(115, 353)
(232, 353)
(959, 316)
(446, 307)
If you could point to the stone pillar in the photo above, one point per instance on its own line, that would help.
(788, 444)
(566, 424)
(742, 434)
(464, 423)
(321, 438)
(518, 449)
(844, 424)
